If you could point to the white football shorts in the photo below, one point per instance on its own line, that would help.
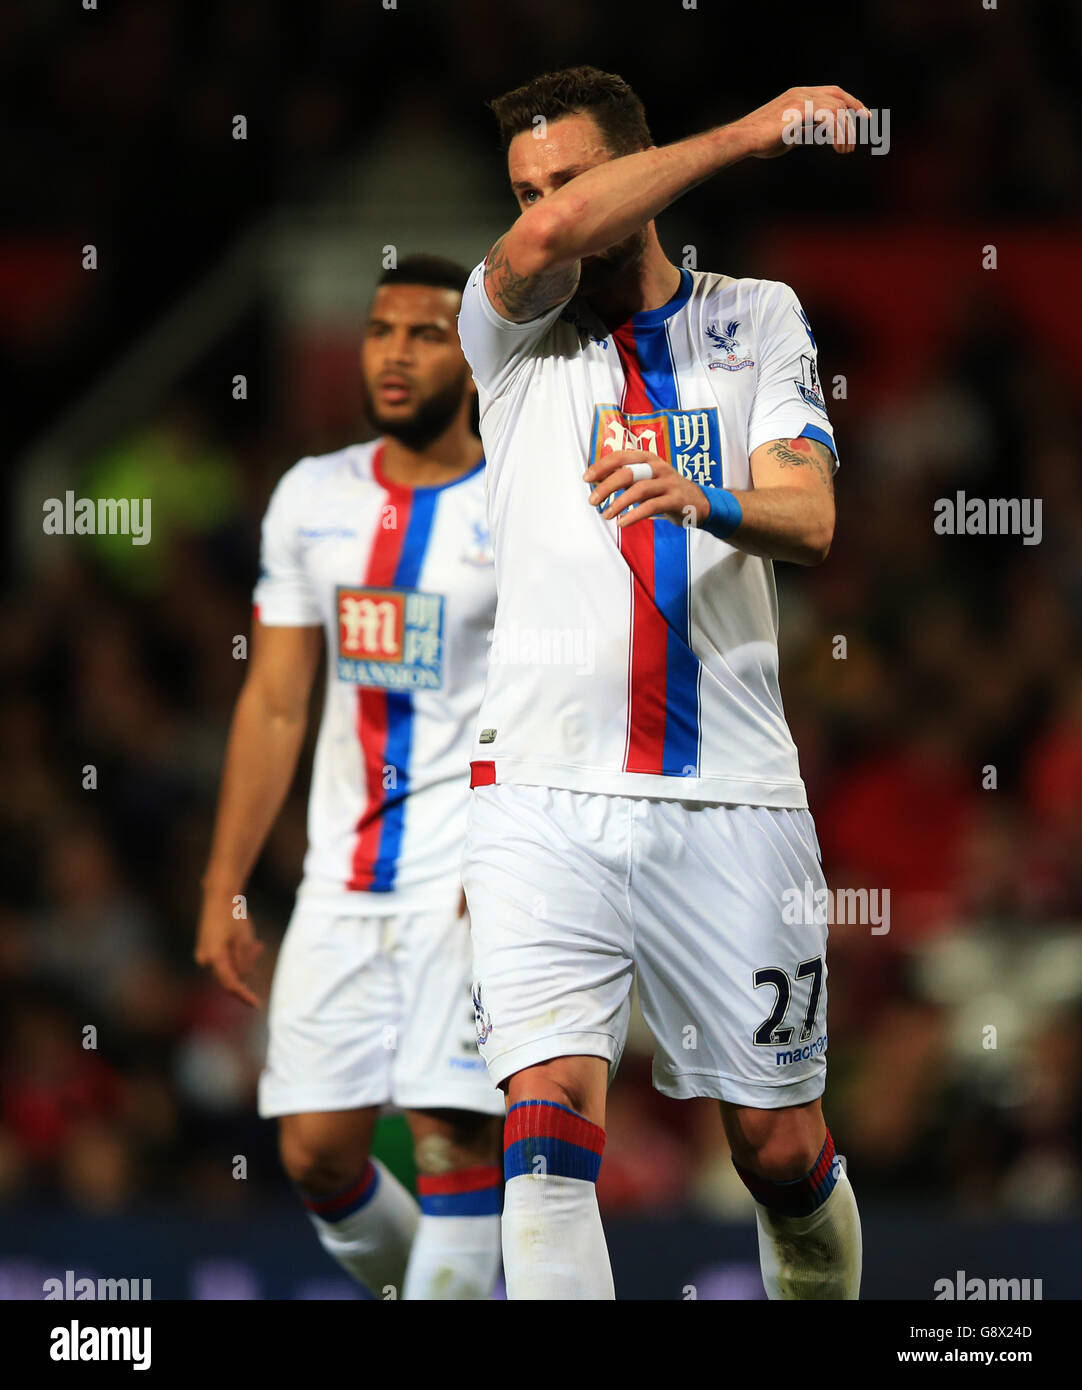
(370, 1010)
(571, 893)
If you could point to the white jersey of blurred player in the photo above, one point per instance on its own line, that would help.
(401, 580)
(677, 628)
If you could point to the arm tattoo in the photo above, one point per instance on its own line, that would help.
(797, 453)
(525, 297)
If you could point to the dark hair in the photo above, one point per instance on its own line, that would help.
(441, 274)
(574, 91)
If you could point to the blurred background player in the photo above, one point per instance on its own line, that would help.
(654, 807)
(382, 551)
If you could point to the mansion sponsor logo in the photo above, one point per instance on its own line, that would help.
(989, 516)
(390, 638)
(854, 907)
(103, 516)
(74, 1288)
(975, 1290)
(689, 440)
(76, 1343)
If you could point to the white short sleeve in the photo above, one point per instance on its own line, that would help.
(788, 396)
(283, 596)
(494, 346)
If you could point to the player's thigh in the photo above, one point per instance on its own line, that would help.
(436, 1065)
(332, 1015)
(545, 872)
(732, 964)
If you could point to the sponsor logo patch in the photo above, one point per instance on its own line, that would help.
(390, 638)
(789, 1056)
(809, 386)
(688, 439)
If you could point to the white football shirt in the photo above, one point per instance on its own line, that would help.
(641, 661)
(401, 580)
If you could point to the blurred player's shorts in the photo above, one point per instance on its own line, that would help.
(370, 1010)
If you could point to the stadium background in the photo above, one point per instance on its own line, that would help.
(220, 257)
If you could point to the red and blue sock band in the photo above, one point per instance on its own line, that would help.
(465, 1192)
(541, 1138)
(726, 513)
(801, 1196)
(352, 1198)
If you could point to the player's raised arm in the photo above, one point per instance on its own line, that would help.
(577, 200)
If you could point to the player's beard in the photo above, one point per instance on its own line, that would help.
(601, 272)
(430, 419)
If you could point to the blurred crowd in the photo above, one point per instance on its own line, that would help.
(941, 741)
(121, 125)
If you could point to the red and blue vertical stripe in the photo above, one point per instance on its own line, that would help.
(543, 1139)
(663, 676)
(385, 717)
(466, 1192)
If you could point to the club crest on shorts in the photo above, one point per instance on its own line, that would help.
(688, 439)
(390, 638)
(481, 1016)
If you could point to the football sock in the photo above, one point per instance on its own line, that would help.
(809, 1231)
(368, 1228)
(456, 1251)
(553, 1243)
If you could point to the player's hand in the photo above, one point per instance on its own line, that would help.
(228, 947)
(668, 493)
(765, 130)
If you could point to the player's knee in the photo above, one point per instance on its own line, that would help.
(779, 1145)
(563, 1082)
(781, 1153)
(465, 1141)
(782, 1160)
(316, 1163)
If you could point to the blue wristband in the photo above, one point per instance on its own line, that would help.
(725, 513)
